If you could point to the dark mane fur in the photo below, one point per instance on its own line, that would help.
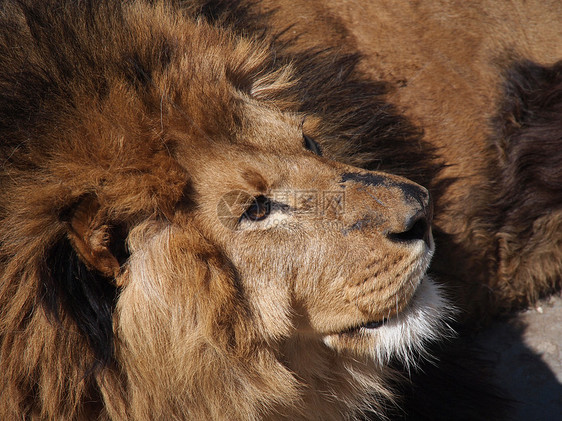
(525, 212)
(86, 296)
(529, 128)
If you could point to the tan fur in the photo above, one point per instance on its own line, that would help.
(447, 63)
(147, 118)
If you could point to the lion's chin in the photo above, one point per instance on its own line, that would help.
(405, 335)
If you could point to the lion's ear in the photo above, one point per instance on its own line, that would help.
(91, 237)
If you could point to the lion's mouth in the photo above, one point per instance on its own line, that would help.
(371, 325)
(375, 324)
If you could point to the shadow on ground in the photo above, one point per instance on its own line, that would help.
(527, 360)
(510, 371)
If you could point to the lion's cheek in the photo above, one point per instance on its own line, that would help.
(358, 286)
(267, 297)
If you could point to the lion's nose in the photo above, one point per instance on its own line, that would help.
(408, 206)
(417, 224)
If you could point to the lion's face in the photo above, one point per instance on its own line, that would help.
(313, 247)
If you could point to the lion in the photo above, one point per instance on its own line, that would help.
(206, 213)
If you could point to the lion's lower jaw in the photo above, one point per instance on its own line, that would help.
(405, 335)
(348, 374)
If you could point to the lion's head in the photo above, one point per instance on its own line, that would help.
(172, 217)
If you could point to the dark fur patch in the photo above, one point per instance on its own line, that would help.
(228, 12)
(529, 146)
(83, 294)
(138, 69)
(45, 73)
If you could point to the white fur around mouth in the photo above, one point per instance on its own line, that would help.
(405, 335)
(424, 320)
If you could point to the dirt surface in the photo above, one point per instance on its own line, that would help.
(527, 351)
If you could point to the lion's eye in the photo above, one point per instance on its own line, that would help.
(258, 210)
(311, 145)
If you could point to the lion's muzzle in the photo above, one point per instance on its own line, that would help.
(414, 211)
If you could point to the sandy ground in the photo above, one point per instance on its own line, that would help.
(527, 351)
